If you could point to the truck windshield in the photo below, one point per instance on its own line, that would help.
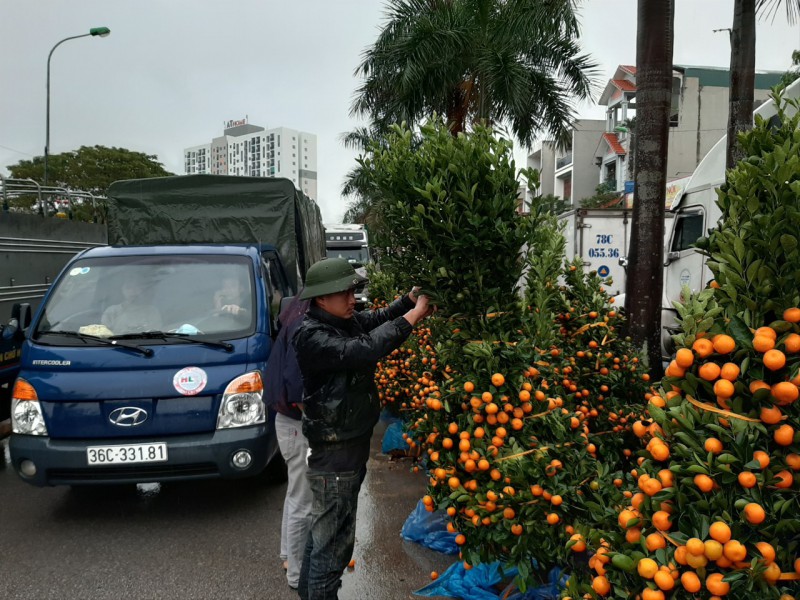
(358, 255)
(199, 295)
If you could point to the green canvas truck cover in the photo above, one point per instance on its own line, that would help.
(219, 209)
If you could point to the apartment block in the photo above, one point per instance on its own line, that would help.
(249, 150)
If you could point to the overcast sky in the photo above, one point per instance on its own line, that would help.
(172, 71)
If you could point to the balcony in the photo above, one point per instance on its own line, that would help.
(564, 161)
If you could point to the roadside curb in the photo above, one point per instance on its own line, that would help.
(5, 428)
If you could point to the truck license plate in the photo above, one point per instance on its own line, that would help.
(131, 453)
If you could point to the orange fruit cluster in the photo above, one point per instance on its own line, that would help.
(719, 470)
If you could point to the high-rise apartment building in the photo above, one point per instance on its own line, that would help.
(253, 151)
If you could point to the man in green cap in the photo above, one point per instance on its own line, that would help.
(338, 350)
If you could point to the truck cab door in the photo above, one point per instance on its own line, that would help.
(277, 284)
(683, 264)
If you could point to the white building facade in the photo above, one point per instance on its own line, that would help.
(570, 173)
(602, 151)
(698, 119)
(252, 151)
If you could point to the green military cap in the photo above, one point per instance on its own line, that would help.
(329, 276)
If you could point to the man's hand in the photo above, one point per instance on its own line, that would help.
(413, 295)
(420, 311)
(233, 309)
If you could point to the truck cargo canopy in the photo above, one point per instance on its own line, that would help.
(219, 209)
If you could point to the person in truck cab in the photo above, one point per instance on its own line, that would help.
(231, 298)
(134, 314)
(338, 350)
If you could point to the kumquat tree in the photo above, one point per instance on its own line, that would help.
(715, 506)
(524, 410)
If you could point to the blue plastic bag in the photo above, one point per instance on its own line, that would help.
(430, 530)
(388, 417)
(551, 591)
(393, 438)
(479, 583)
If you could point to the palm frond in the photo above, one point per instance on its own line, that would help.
(771, 7)
(477, 61)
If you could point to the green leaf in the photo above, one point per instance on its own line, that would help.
(789, 242)
(741, 333)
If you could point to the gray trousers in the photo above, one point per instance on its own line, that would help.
(297, 504)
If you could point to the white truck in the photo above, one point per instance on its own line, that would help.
(350, 242)
(694, 212)
(600, 236)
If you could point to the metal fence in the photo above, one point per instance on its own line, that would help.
(48, 200)
(35, 244)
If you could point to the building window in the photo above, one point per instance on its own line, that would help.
(611, 175)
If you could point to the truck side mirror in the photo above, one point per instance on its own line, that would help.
(20, 320)
(21, 313)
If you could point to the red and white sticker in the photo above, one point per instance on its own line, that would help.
(190, 381)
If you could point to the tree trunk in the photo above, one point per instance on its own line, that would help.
(457, 109)
(743, 74)
(645, 283)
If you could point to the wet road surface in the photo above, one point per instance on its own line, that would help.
(203, 540)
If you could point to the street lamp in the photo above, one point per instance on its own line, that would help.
(93, 32)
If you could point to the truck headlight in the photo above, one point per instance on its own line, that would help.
(26, 412)
(242, 403)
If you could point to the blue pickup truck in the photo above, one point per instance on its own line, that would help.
(147, 362)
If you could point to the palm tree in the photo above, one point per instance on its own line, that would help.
(358, 186)
(645, 281)
(491, 61)
(743, 65)
(743, 74)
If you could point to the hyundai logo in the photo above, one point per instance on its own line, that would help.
(128, 416)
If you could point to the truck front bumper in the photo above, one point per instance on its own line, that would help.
(42, 461)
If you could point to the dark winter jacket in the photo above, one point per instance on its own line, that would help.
(337, 359)
(283, 386)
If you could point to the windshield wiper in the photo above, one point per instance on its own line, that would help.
(166, 335)
(85, 338)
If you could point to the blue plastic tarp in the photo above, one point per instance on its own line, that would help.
(481, 583)
(393, 438)
(551, 591)
(430, 530)
(478, 583)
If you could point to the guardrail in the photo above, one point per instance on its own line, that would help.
(27, 246)
(11, 188)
